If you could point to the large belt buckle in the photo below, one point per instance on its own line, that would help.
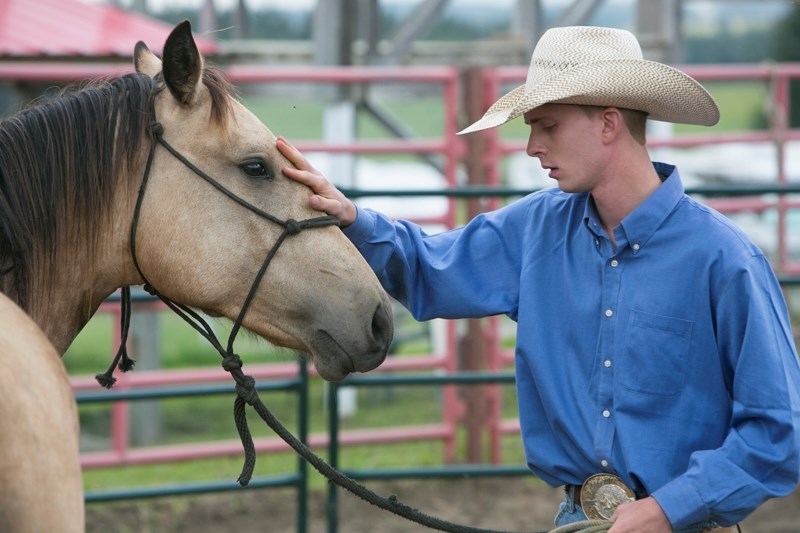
(602, 494)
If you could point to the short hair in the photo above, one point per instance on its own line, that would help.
(636, 121)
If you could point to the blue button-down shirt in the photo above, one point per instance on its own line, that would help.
(667, 360)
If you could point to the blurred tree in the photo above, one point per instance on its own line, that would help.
(726, 46)
(786, 45)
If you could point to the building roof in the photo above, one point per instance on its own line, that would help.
(60, 28)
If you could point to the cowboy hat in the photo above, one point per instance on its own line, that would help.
(595, 66)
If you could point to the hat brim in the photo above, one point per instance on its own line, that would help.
(663, 92)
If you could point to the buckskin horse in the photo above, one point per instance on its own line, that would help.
(163, 177)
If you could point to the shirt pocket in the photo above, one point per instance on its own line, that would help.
(655, 354)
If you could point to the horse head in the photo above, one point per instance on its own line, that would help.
(202, 242)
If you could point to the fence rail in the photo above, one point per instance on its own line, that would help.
(294, 377)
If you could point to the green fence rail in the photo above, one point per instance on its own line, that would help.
(298, 479)
(505, 192)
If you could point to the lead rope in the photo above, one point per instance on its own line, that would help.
(246, 393)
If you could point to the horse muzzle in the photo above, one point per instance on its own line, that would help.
(337, 355)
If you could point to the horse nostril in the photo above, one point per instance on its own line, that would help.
(382, 328)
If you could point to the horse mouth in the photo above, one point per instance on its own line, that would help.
(331, 360)
(334, 363)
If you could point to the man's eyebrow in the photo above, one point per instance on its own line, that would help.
(530, 122)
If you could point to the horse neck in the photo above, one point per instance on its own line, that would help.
(85, 274)
(69, 215)
(63, 309)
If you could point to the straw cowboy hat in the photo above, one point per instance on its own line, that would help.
(602, 67)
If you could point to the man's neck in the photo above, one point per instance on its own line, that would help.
(623, 192)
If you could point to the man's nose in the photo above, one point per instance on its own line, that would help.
(534, 148)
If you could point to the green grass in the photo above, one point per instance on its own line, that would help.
(207, 419)
(742, 106)
(303, 119)
(187, 420)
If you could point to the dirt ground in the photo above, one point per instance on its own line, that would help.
(505, 504)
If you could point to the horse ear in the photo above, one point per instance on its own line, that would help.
(145, 61)
(183, 64)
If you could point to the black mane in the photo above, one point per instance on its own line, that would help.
(59, 162)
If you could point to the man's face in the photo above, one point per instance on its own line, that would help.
(567, 140)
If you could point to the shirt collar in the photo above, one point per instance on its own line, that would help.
(643, 221)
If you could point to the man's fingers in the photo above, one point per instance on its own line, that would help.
(327, 198)
(293, 154)
(306, 178)
(326, 205)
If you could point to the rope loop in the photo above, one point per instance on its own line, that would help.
(150, 289)
(247, 390)
(293, 227)
(231, 362)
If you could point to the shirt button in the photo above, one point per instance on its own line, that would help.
(604, 463)
(636, 247)
(614, 263)
(609, 313)
(606, 413)
(607, 363)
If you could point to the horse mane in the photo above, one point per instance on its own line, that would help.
(59, 160)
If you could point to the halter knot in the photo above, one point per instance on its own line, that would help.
(231, 362)
(247, 390)
(150, 289)
(293, 227)
(156, 128)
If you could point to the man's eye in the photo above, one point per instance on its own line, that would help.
(256, 170)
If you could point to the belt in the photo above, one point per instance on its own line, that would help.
(600, 495)
(599, 480)
(576, 491)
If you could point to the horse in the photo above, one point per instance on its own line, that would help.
(40, 472)
(160, 177)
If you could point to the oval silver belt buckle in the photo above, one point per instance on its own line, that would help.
(602, 493)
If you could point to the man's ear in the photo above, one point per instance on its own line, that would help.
(612, 123)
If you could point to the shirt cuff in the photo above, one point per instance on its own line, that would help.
(682, 503)
(359, 231)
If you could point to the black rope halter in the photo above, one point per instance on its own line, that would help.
(246, 393)
(231, 361)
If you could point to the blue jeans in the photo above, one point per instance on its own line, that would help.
(570, 512)
(566, 516)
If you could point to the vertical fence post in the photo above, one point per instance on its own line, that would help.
(120, 432)
(333, 455)
(471, 345)
(302, 432)
(146, 421)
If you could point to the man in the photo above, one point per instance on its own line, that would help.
(654, 347)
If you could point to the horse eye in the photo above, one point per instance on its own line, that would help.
(256, 170)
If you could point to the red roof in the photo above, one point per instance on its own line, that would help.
(75, 28)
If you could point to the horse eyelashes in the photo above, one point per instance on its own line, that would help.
(257, 170)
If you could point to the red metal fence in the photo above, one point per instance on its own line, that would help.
(451, 149)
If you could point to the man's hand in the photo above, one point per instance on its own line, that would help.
(327, 197)
(643, 516)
